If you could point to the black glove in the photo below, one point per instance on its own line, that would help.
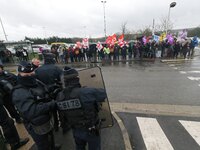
(54, 90)
(7, 86)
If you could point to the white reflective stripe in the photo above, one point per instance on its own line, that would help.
(193, 128)
(194, 78)
(153, 136)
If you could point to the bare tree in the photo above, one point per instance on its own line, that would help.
(145, 31)
(164, 25)
(124, 28)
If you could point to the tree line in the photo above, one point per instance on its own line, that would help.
(127, 36)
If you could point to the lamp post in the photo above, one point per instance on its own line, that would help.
(104, 2)
(3, 30)
(173, 4)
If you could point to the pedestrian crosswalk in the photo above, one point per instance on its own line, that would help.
(153, 135)
(158, 132)
(193, 127)
(155, 138)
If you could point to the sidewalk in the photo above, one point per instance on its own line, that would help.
(111, 138)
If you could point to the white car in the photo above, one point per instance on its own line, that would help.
(40, 48)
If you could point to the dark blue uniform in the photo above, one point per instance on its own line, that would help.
(9, 129)
(50, 75)
(31, 99)
(84, 120)
(7, 125)
(7, 100)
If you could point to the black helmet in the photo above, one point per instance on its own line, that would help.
(25, 67)
(49, 58)
(70, 73)
(71, 78)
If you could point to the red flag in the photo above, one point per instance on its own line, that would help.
(108, 40)
(121, 38)
(114, 39)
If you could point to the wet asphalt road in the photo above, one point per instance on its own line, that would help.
(150, 82)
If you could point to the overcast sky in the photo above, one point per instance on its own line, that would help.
(79, 18)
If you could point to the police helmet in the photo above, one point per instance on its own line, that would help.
(70, 73)
(71, 78)
(25, 67)
(49, 58)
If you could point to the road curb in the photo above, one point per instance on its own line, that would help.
(124, 132)
(174, 60)
(157, 109)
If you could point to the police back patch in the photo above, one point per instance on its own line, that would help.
(69, 104)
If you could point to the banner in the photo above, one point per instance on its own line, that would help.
(170, 39)
(99, 46)
(182, 34)
(85, 43)
(162, 37)
(156, 38)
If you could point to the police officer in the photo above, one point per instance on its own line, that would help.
(80, 105)
(8, 127)
(32, 100)
(50, 75)
(11, 80)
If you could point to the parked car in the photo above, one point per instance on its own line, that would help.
(40, 48)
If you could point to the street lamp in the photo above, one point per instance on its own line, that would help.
(104, 2)
(3, 30)
(173, 4)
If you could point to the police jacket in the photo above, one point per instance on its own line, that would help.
(81, 106)
(48, 73)
(7, 81)
(32, 102)
(12, 78)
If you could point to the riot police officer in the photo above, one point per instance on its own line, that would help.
(80, 106)
(9, 130)
(50, 74)
(11, 79)
(32, 100)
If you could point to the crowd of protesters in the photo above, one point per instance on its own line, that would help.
(132, 50)
(119, 50)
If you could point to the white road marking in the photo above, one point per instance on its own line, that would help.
(153, 135)
(183, 72)
(193, 71)
(194, 78)
(175, 68)
(193, 128)
(171, 65)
